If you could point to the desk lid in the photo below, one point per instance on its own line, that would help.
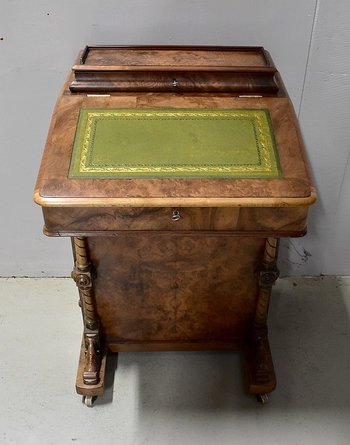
(168, 143)
(174, 148)
(269, 170)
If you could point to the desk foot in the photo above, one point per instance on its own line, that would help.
(261, 378)
(90, 391)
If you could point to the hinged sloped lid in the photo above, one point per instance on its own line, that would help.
(62, 183)
(151, 148)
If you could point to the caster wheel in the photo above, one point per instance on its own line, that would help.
(263, 398)
(89, 400)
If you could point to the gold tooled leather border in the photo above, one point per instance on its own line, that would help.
(268, 167)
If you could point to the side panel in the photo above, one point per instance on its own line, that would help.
(155, 288)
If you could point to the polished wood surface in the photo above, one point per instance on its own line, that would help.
(286, 221)
(88, 389)
(179, 288)
(168, 56)
(54, 186)
(174, 264)
(180, 69)
(93, 344)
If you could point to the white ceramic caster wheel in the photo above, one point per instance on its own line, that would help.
(263, 398)
(88, 400)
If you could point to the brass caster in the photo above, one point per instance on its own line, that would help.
(89, 400)
(263, 398)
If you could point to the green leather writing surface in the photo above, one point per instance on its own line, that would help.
(174, 143)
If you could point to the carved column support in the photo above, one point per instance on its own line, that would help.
(261, 372)
(83, 276)
(268, 275)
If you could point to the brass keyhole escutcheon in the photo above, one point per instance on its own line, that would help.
(176, 215)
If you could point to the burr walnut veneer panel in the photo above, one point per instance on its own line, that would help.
(157, 288)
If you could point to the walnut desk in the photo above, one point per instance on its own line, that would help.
(175, 171)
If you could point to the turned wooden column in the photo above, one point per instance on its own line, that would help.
(83, 276)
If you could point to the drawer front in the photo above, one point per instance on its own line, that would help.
(175, 81)
(140, 218)
(284, 221)
(184, 218)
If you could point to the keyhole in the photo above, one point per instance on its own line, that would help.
(176, 215)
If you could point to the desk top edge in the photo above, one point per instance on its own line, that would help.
(44, 201)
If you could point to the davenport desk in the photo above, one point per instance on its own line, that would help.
(175, 171)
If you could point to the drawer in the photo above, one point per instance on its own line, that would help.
(173, 69)
(141, 218)
(175, 81)
(284, 220)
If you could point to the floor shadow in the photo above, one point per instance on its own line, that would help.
(310, 339)
(111, 369)
(188, 380)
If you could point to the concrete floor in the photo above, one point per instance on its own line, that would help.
(175, 398)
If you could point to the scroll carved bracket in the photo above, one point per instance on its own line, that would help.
(92, 361)
(268, 275)
(82, 278)
(84, 281)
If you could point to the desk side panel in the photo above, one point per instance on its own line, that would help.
(157, 288)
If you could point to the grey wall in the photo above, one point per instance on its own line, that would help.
(308, 39)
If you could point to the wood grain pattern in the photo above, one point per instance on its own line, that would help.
(179, 288)
(176, 80)
(174, 55)
(180, 69)
(54, 186)
(284, 220)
